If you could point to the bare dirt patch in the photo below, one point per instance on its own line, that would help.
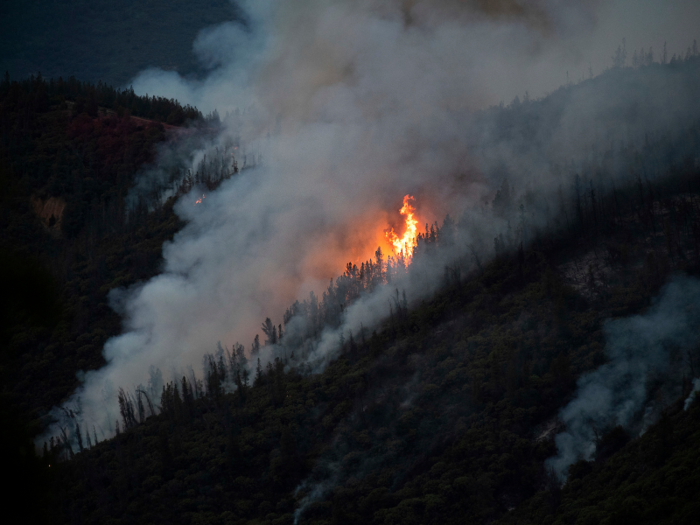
(50, 211)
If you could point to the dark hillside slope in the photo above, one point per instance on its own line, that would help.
(652, 480)
(69, 153)
(445, 413)
(435, 418)
(64, 233)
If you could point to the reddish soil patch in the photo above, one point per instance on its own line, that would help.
(50, 211)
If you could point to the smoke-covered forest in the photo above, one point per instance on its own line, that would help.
(209, 319)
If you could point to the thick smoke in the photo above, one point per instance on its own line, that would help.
(350, 105)
(471, 53)
(648, 358)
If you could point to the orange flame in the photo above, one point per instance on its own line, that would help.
(406, 243)
(199, 201)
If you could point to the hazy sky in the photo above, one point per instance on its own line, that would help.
(503, 48)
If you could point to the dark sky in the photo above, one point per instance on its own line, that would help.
(109, 40)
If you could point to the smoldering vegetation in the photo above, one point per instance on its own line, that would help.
(437, 414)
(651, 358)
(525, 180)
(338, 126)
(436, 404)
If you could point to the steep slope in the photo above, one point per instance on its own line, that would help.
(445, 413)
(65, 241)
(439, 417)
(653, 479)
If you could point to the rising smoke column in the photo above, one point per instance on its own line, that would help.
(693, 393)
(641, 348)
(351, 106)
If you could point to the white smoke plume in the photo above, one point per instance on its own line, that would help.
(351, 105)
(643, 350)
(693, 393)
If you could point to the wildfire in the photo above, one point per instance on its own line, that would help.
(407, 242)
(199, 201)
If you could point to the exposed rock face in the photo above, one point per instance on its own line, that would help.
(50, 211)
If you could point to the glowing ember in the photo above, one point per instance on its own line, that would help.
(199, 201)
(405, 244)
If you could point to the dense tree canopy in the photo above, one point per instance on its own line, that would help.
(444, 412)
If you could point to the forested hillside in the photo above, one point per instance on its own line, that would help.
(445, 412)
(69, 152)
(441, 416)
(653, 479)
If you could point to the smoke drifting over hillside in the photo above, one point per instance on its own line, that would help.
(648, 359)
(295, 55)
(351, 106)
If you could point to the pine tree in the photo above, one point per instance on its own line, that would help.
(79, 436)
(379, 276)
(258, 374)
